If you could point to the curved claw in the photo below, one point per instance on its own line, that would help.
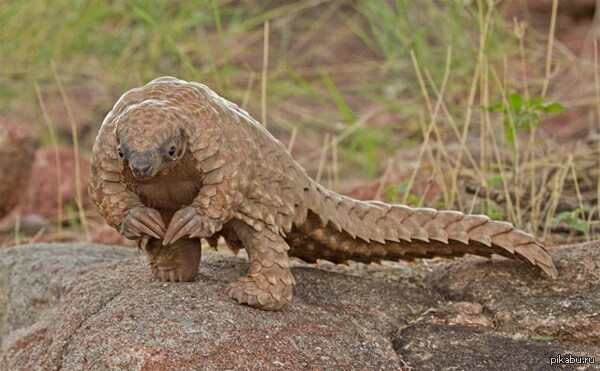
(142, 220)
(152, 217)
(185, 222)
(137, 227)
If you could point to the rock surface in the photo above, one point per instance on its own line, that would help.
(81, 306)
(17, 147)
(40, 196)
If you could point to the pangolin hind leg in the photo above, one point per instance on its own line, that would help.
(269, 282)
(177, 262)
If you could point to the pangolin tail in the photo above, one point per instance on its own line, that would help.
(339, 228)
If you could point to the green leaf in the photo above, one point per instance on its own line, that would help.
(527, 120)
(522, 121)
(494, 181)
(399, 191)
(495, 107)
(515, 101)
(535, 102)
(413, 200)
(561, 216)
(579, 225)
(72, 215)
(573, 219)
(493, 212)
(553, 107)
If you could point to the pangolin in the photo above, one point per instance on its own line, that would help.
(174, 162)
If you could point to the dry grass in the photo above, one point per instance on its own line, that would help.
(345, 84)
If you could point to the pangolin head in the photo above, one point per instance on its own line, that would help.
(151, 137)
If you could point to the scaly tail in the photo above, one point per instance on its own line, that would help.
(339, 228)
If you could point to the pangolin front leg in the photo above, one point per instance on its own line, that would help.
(177, 262)
(269, 282)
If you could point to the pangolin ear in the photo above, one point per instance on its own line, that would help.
(184, 139)
(117, 128)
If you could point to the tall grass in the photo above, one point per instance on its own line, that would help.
(346, 83)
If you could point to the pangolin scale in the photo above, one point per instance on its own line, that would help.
(174, 162)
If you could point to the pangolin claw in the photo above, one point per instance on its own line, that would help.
(143, 221)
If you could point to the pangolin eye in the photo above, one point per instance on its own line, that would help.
(172, 151)
(120, 152)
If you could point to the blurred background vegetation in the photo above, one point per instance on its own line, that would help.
(472, 105)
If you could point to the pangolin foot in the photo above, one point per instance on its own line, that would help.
(258, 291)
(174, 263)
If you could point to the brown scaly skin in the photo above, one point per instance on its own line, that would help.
(174, 162)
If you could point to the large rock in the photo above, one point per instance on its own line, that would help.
(50, 181)
(40, 197)
(17, 147)
(87, 307)
(501, 316)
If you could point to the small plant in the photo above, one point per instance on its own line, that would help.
(494, 212)
(522, 114)
(494, 181)
(573, 219)
(363, 145)
(396, 192)
(72, 216)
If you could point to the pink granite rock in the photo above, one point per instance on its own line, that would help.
(17, 146)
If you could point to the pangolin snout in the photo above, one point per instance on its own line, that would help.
(141, 170)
